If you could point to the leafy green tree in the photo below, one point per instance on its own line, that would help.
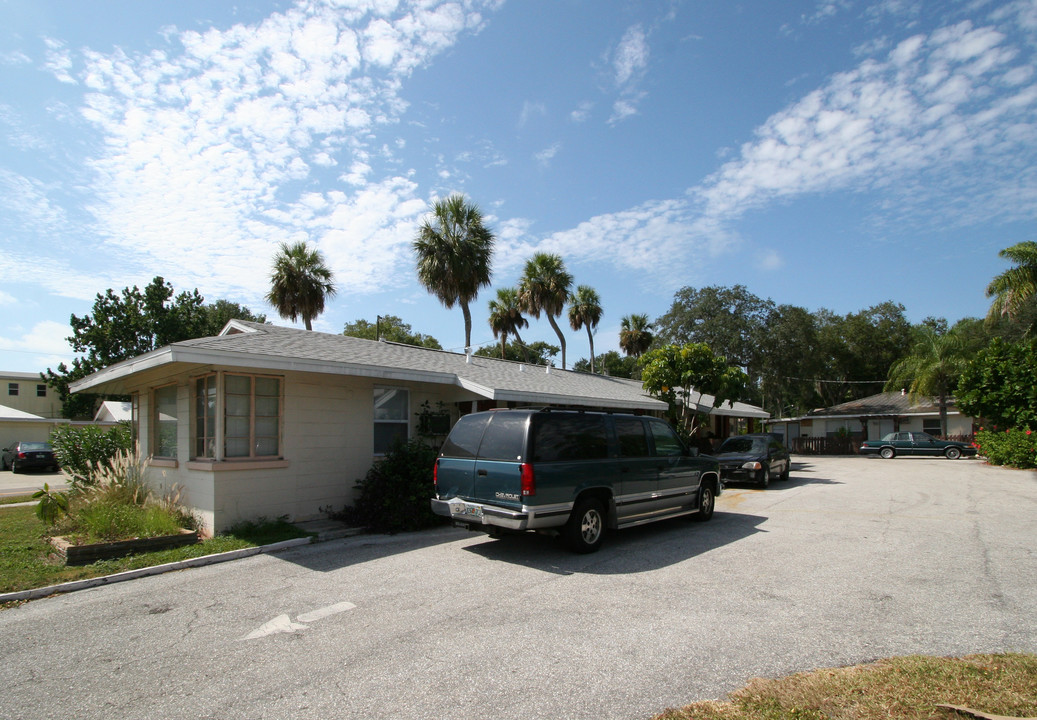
(673, 372)
(219, 313)
(391, 328)
(635, 335)
(728, 319)
(790, 361)
(859, 348)
(610, 363)
(300, 283)
(506, 319)
(132, 323)
(998, 385)
(932, 368)
(1014, 287)
(454, 254)
(544, 288)
(536, 353)
(585, 311)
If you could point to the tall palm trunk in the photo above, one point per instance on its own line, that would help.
(561, 338)
(590, 339)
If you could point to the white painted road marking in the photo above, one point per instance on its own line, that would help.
(326, 612)
(284, 624)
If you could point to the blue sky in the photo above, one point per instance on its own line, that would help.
(823, 153)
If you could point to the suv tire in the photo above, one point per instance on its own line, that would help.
(585, 531)
(707, 503)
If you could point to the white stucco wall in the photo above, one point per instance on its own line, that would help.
(327, 445)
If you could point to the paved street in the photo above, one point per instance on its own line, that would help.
(853, 559)
(26, 483)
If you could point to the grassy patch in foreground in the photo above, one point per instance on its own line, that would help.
(906, 688)
(27, 561)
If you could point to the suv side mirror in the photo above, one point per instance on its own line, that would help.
(693, 452)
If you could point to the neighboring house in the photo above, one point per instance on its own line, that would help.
(273, 421)
(728, 419)
(29, 393)
(873, 417)
(18, 426)
(113, 411)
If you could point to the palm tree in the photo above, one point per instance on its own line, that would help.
(1012, 288)
(932, 368)
(585, 309)
(544, 288)
(635, 335)
(506, 319)
(454, 252)
(300, 283)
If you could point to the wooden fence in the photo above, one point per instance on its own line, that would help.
(844, 445)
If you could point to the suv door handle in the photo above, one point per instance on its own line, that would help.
(481, 473)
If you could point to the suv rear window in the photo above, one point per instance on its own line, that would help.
(569, 437)
(504, 438)
(465, 436)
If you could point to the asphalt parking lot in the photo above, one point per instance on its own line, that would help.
(26, 483)
(852, 559)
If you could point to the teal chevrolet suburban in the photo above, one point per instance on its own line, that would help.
(573, 473)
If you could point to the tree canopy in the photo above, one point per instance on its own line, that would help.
(134, 322)
(1014, 287)
(454, 252)
(391, 328)
(535, 353)
(998, 385)
(673, 372)
(300, 283)
(585, 311)
(544, 289)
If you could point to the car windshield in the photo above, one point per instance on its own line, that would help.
(743, 445)
(26, 446)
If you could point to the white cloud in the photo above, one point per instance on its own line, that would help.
(545, 156)
(46, 339)
(925, 108)
(531, 110)
(582, 113)
(7, 298)
(629, 63)
(207, 150)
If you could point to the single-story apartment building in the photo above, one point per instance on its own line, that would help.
(873, 417)
(271, 421)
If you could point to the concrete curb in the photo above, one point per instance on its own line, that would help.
(36, 593)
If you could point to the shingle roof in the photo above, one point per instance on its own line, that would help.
(891, 403)
(255, 345)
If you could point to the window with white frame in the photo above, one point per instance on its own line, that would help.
(163, 422)
(391, 417)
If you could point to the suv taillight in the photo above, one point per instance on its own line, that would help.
(435, 474)
(529, 485)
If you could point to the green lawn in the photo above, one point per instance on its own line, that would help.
(27, 560)
(906, 688)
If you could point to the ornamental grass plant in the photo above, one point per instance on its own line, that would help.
(118, 504)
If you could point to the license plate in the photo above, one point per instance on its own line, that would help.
(466, 510)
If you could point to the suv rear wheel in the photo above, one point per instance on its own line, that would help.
(585, 530)
(707, 502)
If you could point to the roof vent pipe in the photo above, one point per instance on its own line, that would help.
(522, 368)
(548, 369)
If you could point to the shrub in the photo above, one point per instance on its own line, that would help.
(82, 448)
(118, 504)
(52, 504)
(1015, 448)
(394, 496)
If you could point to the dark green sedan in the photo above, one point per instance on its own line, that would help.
(915, 443)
